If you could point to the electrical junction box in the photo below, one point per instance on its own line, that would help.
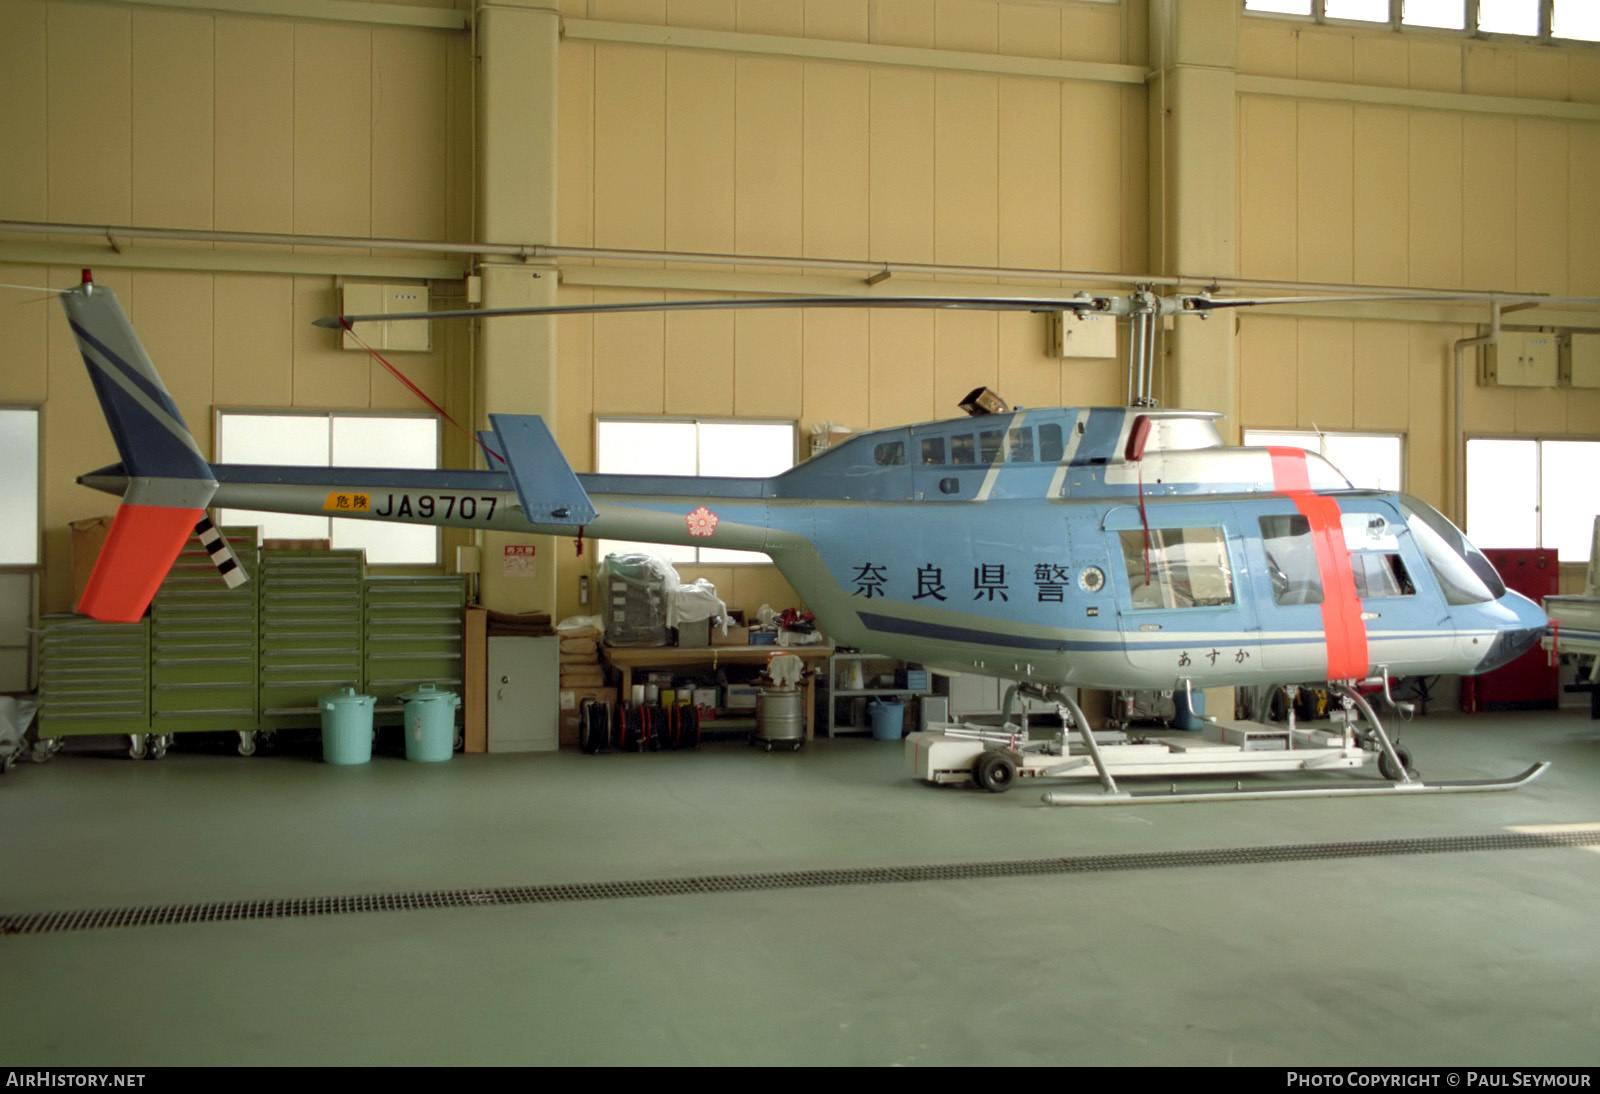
(368, 298)
(1521, 359)
(1580, 361)
(1071, 335)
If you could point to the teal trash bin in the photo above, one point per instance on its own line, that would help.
(888, 720)
(346, 727)
(430, 719)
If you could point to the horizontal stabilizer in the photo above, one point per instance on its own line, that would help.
(545, 482)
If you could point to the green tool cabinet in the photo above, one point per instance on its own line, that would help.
(94, 677)
(414, 635)
(203, 665)
(310, 632)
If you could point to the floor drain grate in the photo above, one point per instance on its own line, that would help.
(220, 911)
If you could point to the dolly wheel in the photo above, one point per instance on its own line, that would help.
(995, 772)
(1386, 769)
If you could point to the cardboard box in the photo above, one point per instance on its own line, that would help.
(571, 700)
(736, 636)
(88, 536)
(741, 696)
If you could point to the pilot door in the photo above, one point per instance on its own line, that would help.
(1180, 608)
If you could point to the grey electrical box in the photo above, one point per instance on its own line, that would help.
(1070, 335)
(1520, 359)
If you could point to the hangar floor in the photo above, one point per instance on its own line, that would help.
(1381, 957)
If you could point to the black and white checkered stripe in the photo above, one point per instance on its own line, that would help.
(222, 555)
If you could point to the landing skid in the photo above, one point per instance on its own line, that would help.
(995, 759)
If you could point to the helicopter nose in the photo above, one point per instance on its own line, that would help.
(1513, 643)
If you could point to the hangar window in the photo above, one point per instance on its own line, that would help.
(1533, 493)
(19, 487)
(1371, 461)
(335, 440)
(1577, 20)
(696, 447)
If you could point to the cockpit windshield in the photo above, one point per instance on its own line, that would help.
(1464, 574)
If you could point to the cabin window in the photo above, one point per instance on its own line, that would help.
(1022, 445)
(1380, 575)
(932, 451)
(989, 442)
(335, 440)
(961, 450)
(1050, 449)
(1464, 574)
(1291, 560)
(890, 454)
(1186, 568)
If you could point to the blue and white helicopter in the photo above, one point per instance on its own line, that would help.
(1057, 548)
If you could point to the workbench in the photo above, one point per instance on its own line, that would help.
(626, 659)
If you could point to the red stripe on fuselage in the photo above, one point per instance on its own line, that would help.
(1342, 626)
(139, 550)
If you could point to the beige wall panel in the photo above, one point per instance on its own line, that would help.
(629, 147)
(1326, 55)
(1486, 409)
(1434, 242)
(1434, 65)
(1269, 371)
(325, 376)
(574, 424)
(173, 120)
(1489, 200)
(1428, 438)
(1026, 376)
(25, 319)
(970, 25)
(965, 346)
(1030, 193)
(174, 322)
(770, 153)
(699, 363)
(766, 364)
(1092, 190)
(1542, 205)
(901, 214)
(1489, 70)
(1094, 383)
(764, 17)
(901, 348)
(838, 20)
(1381, 172)
(837, 167)
(1324, 191)
(1583, 413)
(460, 70)
(835, 371)
(700, 152)
(1135, 180)
(1027, 30)
(575, 145)
(1541, 73)
(1583, 76)
(255, 111)
(1381, 60)
(253, 340)
(1136, 35)
(1381, 375)
(1267, 201)
(706, 14)
(903, 23)
(629, 358)
(754, 586)
(1326, 398)
(1542, 410)
(965, 162)
(1267, 47)
(1583, 209)
(653, 12)
(410, 133)
(24, 122)
(426, 370)
(91, 148)
(1091, 32)
(332, 129)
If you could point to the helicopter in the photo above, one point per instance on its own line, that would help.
(1058, 548)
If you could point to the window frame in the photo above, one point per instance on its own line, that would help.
(38, 488)
(1470, 27)
(1538, 442)
(605, 546)
(221, 412)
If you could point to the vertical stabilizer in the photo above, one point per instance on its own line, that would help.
(169, 480)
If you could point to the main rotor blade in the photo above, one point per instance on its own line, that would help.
(996, 303)
(1201, 302)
